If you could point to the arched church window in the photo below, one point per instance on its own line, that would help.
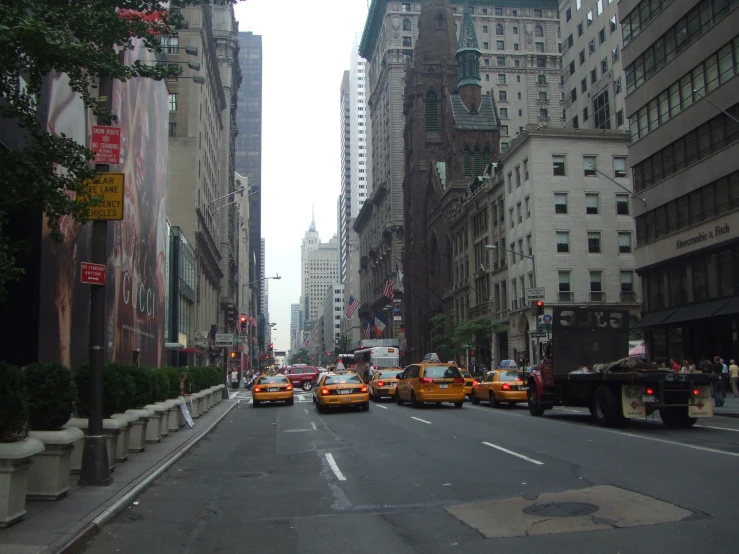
(478, 162)
(467, 163)
(406, 25)
(432, 111)
(440, 21)
(538, 31)
(499, 29)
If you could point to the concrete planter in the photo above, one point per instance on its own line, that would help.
(122, 449)
(180, 417)
(209, 395)
(111, 430)
(219, 393)
(173, 421)
(15, 462)
(137, 437)
(195, 401)
(48, 478)
(164, 422)
(154, 428)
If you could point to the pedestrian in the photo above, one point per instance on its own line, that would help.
(691, 366)
(720, 395)
(685, 368)
(705, 365)
(734, 378)
(183, 378)
(234, 379)
(674, 365)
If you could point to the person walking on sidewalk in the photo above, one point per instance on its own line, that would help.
(234, 379)
(719, 392)
(734, 378)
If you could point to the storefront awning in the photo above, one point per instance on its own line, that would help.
(701, 310)
(654, 318)
(731, 307)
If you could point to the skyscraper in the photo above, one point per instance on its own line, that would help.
(249, 139)
(319, 268)
(359, 130)
(345, 196)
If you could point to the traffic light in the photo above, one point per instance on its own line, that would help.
(271, 346)
(472, 353)
(243, 319)
(233, 354)
(538, 308)
(329, 353)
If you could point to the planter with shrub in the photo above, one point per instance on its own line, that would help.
(16, 447)
(51, 394)
(141, 397)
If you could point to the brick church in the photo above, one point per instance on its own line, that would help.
(451, 136)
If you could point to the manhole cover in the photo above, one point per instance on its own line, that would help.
(561, 509)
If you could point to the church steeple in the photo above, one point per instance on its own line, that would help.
(313, 219)
(468, 50)
(435, 32)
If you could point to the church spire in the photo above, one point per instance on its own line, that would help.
(468, 50)
(313, 219)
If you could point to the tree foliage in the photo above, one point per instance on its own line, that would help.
(302, 356)
(449, 339)
(84, 39)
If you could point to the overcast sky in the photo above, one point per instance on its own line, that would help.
(306, 50)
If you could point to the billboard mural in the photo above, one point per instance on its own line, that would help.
(136, 264)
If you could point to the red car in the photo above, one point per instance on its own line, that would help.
(303, 376)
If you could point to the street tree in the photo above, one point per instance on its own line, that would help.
(83, 39)
(300, 357)
(449, 339)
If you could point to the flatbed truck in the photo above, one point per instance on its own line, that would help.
(572, 372)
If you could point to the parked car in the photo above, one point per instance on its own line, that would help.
(303, 376)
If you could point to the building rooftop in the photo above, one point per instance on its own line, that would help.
(485, 119)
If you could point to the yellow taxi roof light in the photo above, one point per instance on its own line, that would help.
(432, 357)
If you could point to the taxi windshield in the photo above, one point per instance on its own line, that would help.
(341, 379)
(389, 374)
(271, 379)
(509, 376)
(441, 372)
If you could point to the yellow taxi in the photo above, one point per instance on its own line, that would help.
(430, 381)
(341, 389)
(272, 388)
(469, 382)
(383, 383)
(501, 386)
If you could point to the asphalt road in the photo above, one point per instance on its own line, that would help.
(397, 480)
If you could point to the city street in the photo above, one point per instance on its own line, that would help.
(398, 480)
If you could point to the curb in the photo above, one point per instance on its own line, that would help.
(726, 414)
(92, 528)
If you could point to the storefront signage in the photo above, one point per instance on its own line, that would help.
(690, 240)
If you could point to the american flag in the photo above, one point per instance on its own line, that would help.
(238, 326)
(367, 330)
(352, 307)
(388, 288)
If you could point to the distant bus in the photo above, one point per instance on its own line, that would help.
(376, 357)
(347, 360)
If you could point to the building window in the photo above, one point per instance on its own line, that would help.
(563, 242)
(543, 113)
(619, 167)
(504, 130)
(539, 47)
(604, 66)
(407, 42)
(467, 163)
(486, 46)
(591, 203)
(572, 67)
(405, 7)
(504, 146)
(519, 212)
(589, 165)
(594, 242)
(432, 111)
(541, 62)
(515, 30)
(528, 207)
(602, 111)
(173, 102)
(484, 28)
(560, 202)
(541, 80)
(579, 30)
(543, 96)
(596, 281)
(537, 13)
(502, 96)
(558, 165)
(500, 45)
(504, 113)
(500, 61)
(406, 25)
(622, 204)
(568, 14)
(602, 35)
(501, 78)
(173, 129)
(563, 279)
(526, 169)
(593, 75)
(590, 18)
(498, 11)
(499, 30)
(624, 243)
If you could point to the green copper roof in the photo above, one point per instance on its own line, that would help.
(467, 34)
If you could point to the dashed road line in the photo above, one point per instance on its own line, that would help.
(334, 467)
(421, 420)
(313, 425)
(305, 410)
(512, 453)
(719, 428)
(381, 406)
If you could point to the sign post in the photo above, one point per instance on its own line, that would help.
(536, 293)
(105, 142)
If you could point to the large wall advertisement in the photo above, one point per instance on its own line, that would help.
(136, 264)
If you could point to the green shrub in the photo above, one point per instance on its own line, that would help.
(120, 376)
(142, 386)
(51, 394)
(159, 376)
(13, 404)
(117, 391)
(173, 376)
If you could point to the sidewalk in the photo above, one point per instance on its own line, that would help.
(66, 524)
(730, 407)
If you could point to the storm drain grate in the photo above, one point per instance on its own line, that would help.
(561, 509)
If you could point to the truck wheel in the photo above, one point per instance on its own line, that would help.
(606, 411)
(677, 418)
(535, 407)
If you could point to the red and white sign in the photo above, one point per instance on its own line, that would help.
(92, 274)
(105, 142)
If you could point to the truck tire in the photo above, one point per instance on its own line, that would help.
(677, 418)
(606, 410)
(535, 407)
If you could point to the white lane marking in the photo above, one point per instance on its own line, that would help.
(512, 453)
(721, 428)
(334, 467)
(250, 401)
(305, 410)
(301, 398)
(313, 425)
(573, 411)
(421, 420)
(381, 406)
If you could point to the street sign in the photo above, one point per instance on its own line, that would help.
(105, 142)
(108, 187)
(540, 335)
(547, 318)
(92, 274)
(535, 293)
(224, 339)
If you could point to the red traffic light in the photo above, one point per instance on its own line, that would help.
(242, 318)
(539, 303)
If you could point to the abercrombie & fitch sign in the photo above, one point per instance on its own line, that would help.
(703, 236)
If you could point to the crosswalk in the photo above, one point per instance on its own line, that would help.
(246, 396)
